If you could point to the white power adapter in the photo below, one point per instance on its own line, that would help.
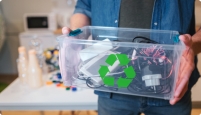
(152, 80)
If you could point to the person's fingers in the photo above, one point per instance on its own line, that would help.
(186, 38)
(176, 99)
(181, 90)
(182, 64)
(188, 69)
(66, 30)
(187, 66)
(184, 77)
(180, 87)
(181, 68)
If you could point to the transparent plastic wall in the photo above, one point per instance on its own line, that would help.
(121, 60)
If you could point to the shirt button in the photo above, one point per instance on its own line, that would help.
(116, 21)
(155, 23)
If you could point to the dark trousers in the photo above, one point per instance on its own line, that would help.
(119, 104)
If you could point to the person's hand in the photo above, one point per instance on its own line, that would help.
(186, 67)
(68, 58)
(66, 30)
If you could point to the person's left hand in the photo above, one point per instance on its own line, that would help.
(186, 67)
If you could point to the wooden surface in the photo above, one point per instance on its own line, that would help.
(48, 113)
(194, 112)
(6, 78)
(58, 31)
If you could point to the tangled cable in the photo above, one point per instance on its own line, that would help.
(150, 60)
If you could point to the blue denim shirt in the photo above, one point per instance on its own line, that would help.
(175, 15)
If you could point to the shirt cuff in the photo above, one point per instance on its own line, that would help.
(82, 11)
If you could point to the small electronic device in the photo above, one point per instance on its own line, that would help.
(94, 50)
(91, 67)
(40, 21)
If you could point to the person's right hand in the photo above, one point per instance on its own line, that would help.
(66, 30)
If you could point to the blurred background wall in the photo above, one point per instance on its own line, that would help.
(13, 11)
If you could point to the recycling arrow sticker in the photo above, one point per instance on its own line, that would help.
(122, 60)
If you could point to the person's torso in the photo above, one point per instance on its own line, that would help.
(166, 15)
(136, 13)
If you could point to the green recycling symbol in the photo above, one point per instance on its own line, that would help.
(123, 61)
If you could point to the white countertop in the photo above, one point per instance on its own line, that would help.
(49, 97)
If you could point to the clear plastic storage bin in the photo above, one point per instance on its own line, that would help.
(121, 60)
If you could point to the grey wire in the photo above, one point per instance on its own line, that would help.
(99, 75)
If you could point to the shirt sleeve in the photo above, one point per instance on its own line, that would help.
(84, 7)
